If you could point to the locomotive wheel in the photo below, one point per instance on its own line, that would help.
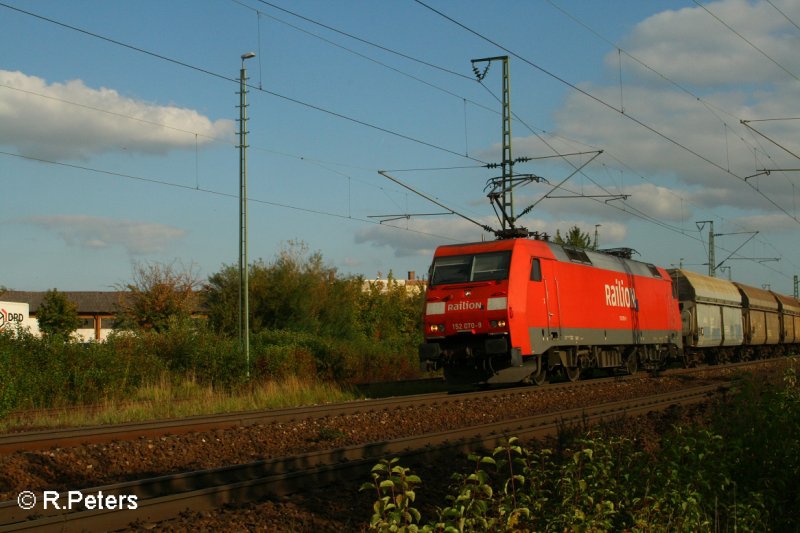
(572, 373)
(632, 364)
(538, 378)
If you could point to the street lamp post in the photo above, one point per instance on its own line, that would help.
(244, 297)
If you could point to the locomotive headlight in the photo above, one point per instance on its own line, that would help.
(436, 328)
(498, 323)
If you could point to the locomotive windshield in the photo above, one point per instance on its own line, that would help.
(465, 268)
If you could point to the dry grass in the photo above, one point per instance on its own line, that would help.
(166, 399)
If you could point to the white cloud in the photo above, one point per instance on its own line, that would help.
(691, 136)
(69, 121)
(425, 235)
(138, 238)
(675, 155)
(690, 45)
(644, 199)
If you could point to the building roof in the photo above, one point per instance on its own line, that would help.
(88, 302)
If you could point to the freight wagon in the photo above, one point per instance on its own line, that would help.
(761, 321)
(790, 321)
(711, 317)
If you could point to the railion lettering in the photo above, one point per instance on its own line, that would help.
(465, 306)
(618, 295)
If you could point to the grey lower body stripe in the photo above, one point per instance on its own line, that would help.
(543, 339)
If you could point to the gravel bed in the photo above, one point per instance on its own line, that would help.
(339, 508)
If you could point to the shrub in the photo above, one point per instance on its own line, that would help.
(742, 473)
(186, 348)
(158, 294)
(8, 389)
(299, 292)
(58, 372)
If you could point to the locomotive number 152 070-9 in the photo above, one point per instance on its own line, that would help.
(466, 326)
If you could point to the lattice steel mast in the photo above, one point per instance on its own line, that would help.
(502, 189)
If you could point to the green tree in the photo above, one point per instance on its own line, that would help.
(575, 237)
(220, 297)
(159, 295)
(57, 316)
(391, 312)
(297, 292)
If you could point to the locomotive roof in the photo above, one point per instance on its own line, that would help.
(565, 253)
(603, 260)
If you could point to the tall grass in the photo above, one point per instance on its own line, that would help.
(148, 374)
(168, 398)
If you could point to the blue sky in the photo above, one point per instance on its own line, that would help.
(118, 122)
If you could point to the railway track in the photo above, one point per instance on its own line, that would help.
(66, 437)
(165, 497)
(43, 439)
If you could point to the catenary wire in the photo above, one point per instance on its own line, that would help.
(373, 60)
(636, 212)
(209, 191)
(611, 107)
(782, 13)
(745, 39)
(303, 103)
(265, 91)
(712, 108)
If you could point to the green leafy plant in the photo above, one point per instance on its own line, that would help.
(394, 487)
(740, 473)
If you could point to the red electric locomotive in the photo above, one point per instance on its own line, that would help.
(515, 310)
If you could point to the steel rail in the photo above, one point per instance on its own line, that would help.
(43, 439)
(65, 437)
(165, 497)
(435, 383)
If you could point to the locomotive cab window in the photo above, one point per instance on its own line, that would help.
(490, 266)
(466, 268)
(536, 269)
(653, 270)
